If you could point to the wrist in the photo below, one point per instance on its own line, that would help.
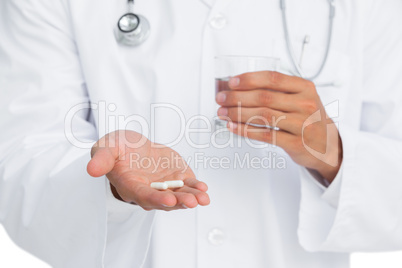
(115, 193)
(329, 172)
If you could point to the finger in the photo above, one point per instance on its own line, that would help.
(102, 161)
(145, 196)
(270, 80)
(177, 176)
(150, 199)
(279, 138)
(194, 183)
(189, 179)
(202, 197)
(260, 116)
(185, 199)
(257, 98)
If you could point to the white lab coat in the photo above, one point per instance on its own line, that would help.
(55, 54)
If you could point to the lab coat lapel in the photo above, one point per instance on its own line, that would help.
(216, 5)
(209, 3)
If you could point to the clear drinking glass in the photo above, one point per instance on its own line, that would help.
(229, 66)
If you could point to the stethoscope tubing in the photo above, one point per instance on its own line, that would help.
(297, 66)
(289, 46)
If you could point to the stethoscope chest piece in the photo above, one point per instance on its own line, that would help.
(132, 29)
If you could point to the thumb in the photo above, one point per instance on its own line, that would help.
(103, 161)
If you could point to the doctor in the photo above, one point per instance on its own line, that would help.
(69, 89)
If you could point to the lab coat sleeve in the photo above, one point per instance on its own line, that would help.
(362, 210)
(49, 205)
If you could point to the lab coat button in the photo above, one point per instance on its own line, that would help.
(218, 22)
(216, 237)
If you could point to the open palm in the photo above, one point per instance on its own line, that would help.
(131, 163)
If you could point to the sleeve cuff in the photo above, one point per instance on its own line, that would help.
(129, 227)
(333, 192)
(325, 212)
(330, 191)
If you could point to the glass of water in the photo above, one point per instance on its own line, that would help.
(229, 66)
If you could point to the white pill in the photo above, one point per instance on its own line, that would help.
(175, 184)
(159, 185)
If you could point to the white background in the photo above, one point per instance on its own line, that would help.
(13, 257)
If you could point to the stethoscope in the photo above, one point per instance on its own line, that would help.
(133, 30)
(297, 65)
